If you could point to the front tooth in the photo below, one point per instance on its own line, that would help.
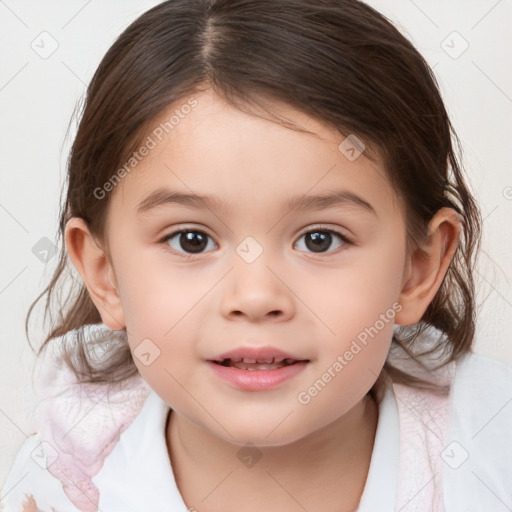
(269, 360)
(249, 361)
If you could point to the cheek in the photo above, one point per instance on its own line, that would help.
(358, 304)
(156, 293)
(162, 304)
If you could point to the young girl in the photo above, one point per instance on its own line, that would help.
(276, 309)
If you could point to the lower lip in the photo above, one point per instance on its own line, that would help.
(257, 380)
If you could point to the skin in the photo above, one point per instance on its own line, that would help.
(312, 304)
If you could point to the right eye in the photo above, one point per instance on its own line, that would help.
(188, 241)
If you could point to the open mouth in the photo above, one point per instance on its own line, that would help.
(259, 373)
(252, 364)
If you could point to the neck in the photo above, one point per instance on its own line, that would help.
(326, 470)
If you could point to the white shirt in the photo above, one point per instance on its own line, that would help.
(141, 463)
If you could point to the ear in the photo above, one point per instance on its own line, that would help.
(97, 272)
(427, 266)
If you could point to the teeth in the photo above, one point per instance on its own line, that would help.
(268, 360)
(252, 364)
(247, 363)
(256, 366)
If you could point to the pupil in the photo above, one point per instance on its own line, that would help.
(320, 240)
(192, 241)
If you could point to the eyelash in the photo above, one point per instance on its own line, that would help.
(189, 256)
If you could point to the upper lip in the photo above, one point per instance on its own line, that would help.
(258, 354)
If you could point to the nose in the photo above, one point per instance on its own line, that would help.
(254, 292)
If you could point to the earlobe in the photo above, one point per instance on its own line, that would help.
(91, 261)
(428, 265)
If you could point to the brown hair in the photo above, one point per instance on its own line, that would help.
(338, 61)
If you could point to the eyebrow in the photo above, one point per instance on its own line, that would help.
(163, 197)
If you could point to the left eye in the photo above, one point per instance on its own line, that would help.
(190, 241)
(319, 240)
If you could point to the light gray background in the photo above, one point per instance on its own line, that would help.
(38, 95)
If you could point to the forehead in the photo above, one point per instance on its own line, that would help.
(203, 145)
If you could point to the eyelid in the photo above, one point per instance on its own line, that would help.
(187, 227)
(323, 227)
(307, 229)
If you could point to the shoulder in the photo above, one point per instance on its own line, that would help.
(30, 486)
(463, 437)
(484, 368)
(481, 401)
(482, 388)
(478, 451)
(78, 425)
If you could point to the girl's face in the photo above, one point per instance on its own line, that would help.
(263, 261)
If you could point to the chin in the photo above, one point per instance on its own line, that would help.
(261, 435)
